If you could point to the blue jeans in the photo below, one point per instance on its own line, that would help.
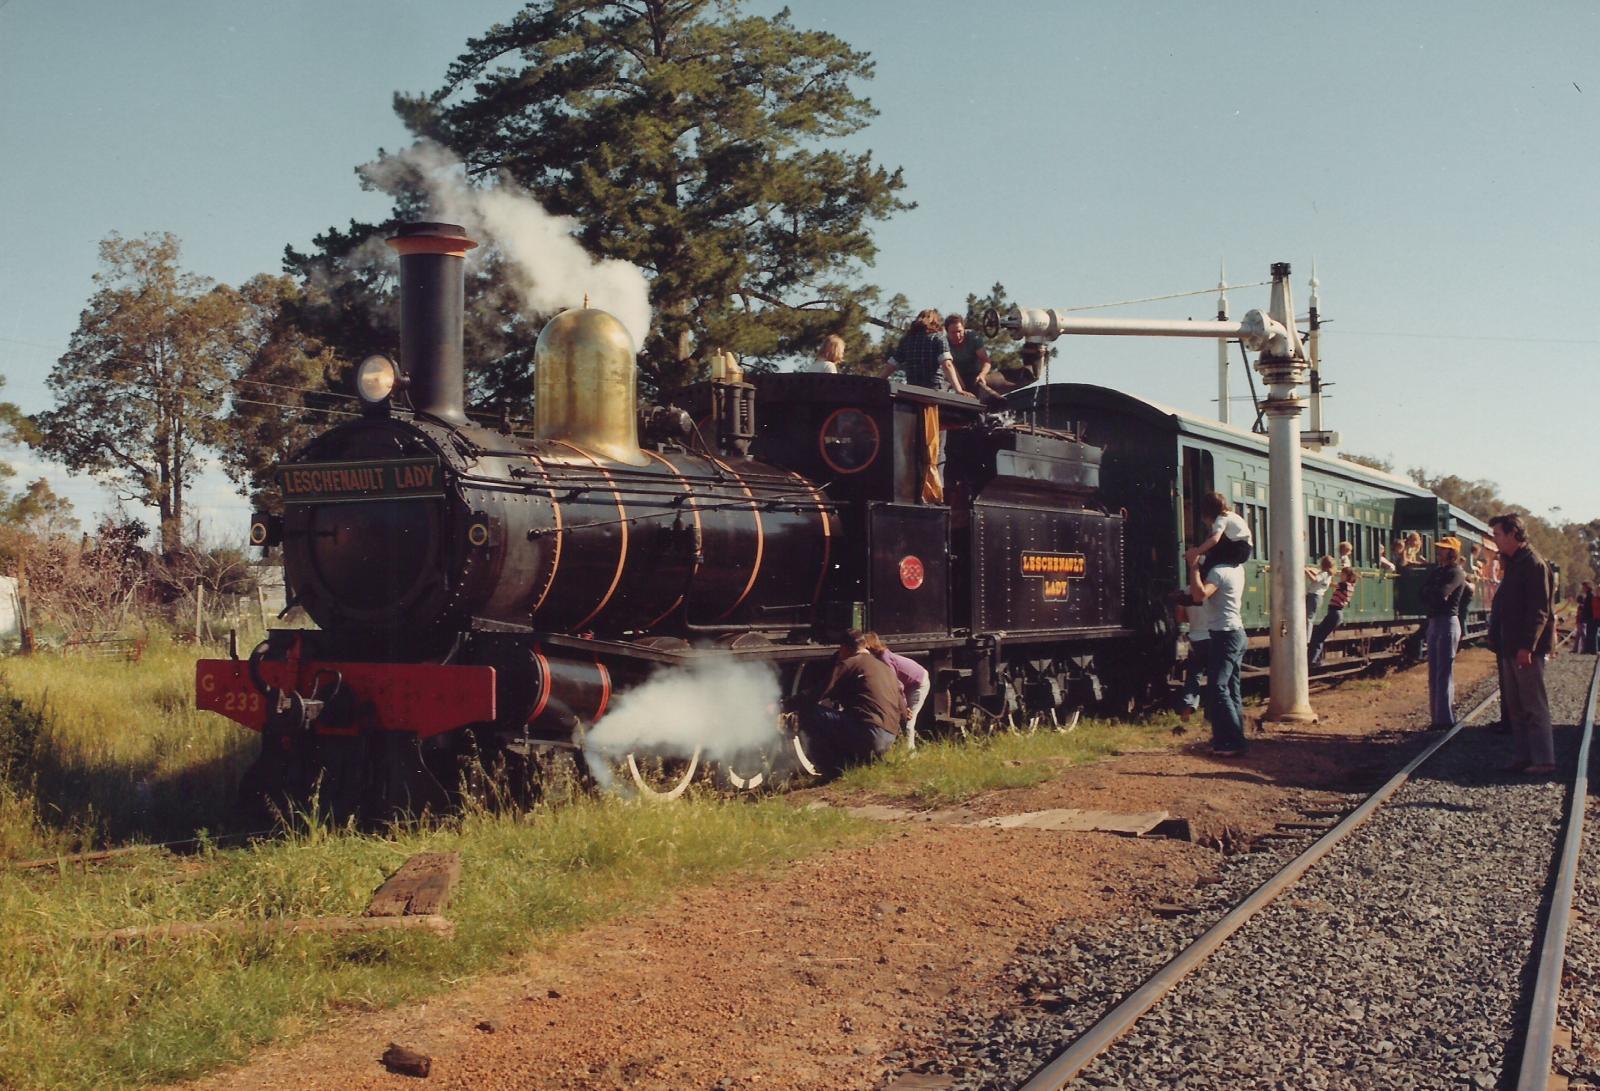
(1319, 635)
(1227, 699)
(1198, 663)
(1444, 634)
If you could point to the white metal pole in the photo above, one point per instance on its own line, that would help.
(1283, 368)
(1222, 346)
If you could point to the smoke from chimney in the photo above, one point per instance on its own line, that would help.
(552, 270)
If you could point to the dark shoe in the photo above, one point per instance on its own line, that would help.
(1227, 751)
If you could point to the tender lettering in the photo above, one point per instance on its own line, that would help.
(1070, 565)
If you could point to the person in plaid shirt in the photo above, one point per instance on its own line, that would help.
(924, 355)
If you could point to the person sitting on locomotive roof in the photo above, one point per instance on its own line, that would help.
(868, 710)
(914, 683)
(1230, 541)
(924, 353)
(828, 357)
(968, 355)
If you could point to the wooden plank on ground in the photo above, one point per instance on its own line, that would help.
(190, 929)
(420, 888)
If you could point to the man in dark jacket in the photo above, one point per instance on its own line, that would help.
(1442, 594)
(1521, 634)
(869, 707)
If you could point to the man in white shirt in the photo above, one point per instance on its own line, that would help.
(1222, 590)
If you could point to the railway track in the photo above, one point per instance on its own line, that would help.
(1404, 955)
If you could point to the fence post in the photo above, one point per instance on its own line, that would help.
(199, 607)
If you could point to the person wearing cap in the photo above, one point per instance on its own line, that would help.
(1442, 594)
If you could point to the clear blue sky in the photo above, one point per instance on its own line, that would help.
(1438, 160)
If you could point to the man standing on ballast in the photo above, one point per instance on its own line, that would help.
(1521, 633)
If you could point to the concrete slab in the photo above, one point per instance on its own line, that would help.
(1070, 820)
(1079, 821)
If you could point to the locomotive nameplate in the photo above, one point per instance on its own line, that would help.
(1055, 570)
(338, 482)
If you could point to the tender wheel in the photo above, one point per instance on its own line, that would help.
(662, 778)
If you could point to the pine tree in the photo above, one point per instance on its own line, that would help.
(692, 140)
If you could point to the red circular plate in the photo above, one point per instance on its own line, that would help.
(911, 573)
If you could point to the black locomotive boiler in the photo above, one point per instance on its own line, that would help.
(482, 596)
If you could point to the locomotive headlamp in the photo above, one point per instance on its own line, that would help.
(376, 379)
(266, 529)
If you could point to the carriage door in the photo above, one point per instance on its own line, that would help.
(1198, 479)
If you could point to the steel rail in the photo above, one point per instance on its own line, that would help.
(1088, 1046)
(1539, 1045)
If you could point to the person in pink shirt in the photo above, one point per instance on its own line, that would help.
(913, 679)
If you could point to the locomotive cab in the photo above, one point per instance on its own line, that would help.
(879, 449)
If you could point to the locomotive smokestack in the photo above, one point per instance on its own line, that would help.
(431, 303)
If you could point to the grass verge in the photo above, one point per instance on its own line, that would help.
(948, 771)
(94, 752)
(85, 1014)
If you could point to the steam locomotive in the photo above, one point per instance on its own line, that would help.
(481, 597)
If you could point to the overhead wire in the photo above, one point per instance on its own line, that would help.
(135, 362)
(1159, 298)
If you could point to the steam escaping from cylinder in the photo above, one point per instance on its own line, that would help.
(552, 270)
(727, 707)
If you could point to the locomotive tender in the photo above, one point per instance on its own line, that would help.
(480, 596)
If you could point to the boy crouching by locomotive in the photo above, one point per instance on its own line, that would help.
(865, 709)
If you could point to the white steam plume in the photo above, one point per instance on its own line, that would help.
(552, 269)
(727, 707)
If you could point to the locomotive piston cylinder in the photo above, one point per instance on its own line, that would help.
(432, 298)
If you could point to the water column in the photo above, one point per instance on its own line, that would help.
(1283, 369)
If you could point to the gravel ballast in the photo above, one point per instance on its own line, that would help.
(1399, 961)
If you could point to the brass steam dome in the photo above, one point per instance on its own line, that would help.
(585, 383)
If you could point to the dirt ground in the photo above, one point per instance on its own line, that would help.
(803, 979)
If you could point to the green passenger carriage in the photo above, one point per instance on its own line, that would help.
(1158, 462)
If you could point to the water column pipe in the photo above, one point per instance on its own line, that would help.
(1222, 346)
(1281, 361)
(1316, 438)
(1283, 368)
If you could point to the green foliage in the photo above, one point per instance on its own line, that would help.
(38, 511)
(140, 392)
(1570, 545)
(288, 388)
(691, 140)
